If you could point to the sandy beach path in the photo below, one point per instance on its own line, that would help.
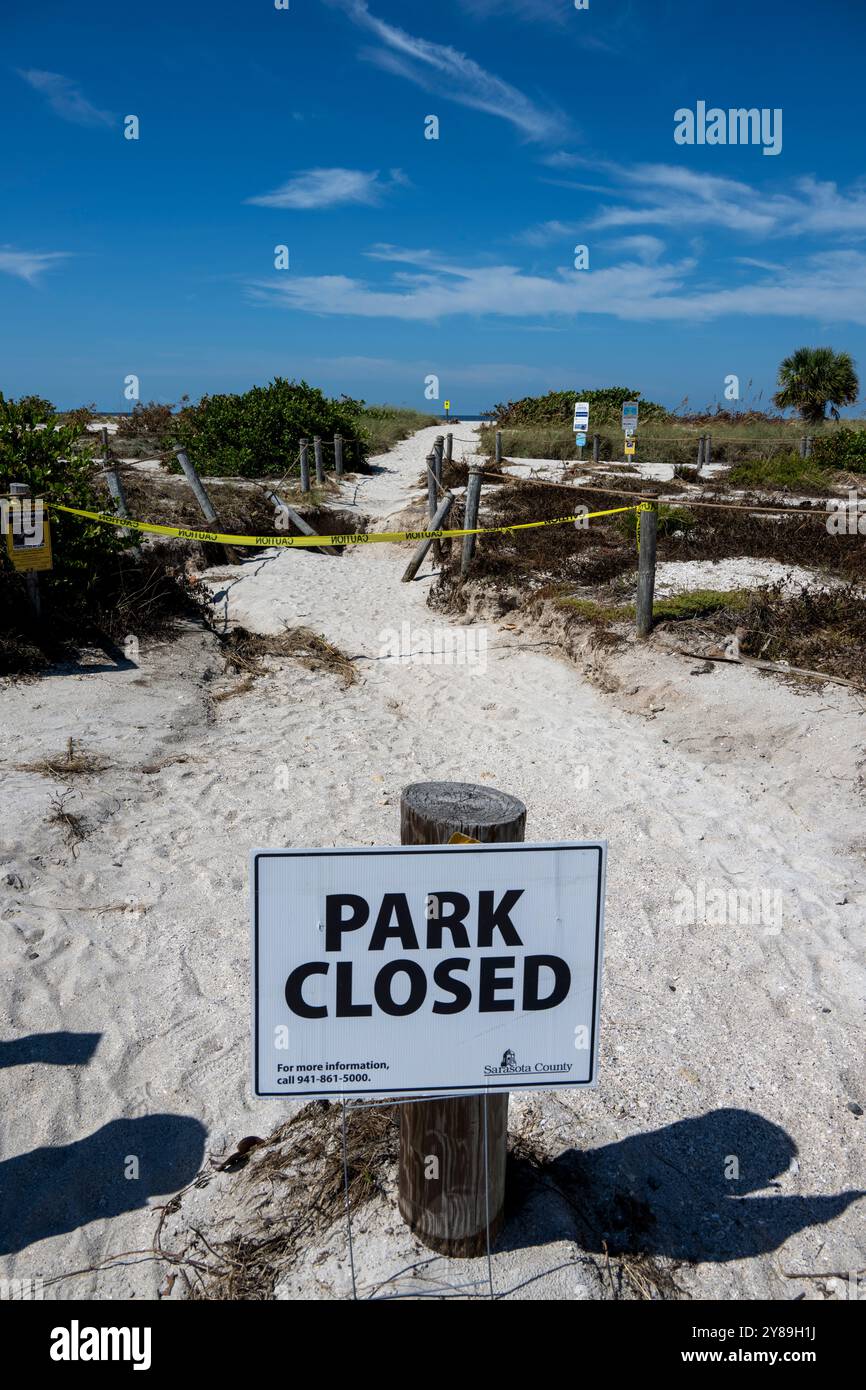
(125, 959)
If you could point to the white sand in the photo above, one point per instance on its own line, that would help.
(728, 779)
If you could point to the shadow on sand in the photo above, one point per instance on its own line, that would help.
(680, 1192)
(52, 1191)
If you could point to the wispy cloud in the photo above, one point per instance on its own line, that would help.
(427, 63)
(669, 195)
(65, 97)
(28, 265)
(329, 188)
(830, 287)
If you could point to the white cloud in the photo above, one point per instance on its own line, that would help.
(328, 188)
(451, 74)
(670, 195)
(28, 265)
(65, 98)
(830, 287)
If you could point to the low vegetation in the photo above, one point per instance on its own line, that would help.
(783, 473)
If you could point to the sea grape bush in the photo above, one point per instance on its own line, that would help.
(557, 408)
(844, 448)
(257, 433)
(150, 421)
(36, 450)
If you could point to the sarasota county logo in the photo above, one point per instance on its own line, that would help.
(509, 1066)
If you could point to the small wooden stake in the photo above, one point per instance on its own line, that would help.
(499, 446)
(456, 1211)
(338, 455)
(320, 466)
(305, 466)
(596, 447)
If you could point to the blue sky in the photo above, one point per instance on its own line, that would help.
(411, 257)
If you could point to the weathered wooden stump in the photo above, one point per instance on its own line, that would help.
(450, 1212)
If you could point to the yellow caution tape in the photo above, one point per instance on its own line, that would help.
(644, 507)
(294, 542)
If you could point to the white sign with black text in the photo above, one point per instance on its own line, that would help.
(426, 969)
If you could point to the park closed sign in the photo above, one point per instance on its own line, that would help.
(426, 969)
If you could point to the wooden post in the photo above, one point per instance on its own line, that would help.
(305, 467)
(203, 500)
(430, 466)
(808, 453)
(438, 448)
(113, 482)
(700, 451)
(417, 559)
(596, 447)
(453, 1211)
(433, 486)
(708, 449)
(449, 447)
(646, 578)
(31, 577)
(499, 446)
(303, 526)
(320, 467)
(338, 455)
(473, 498)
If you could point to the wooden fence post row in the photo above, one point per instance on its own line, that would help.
(461, 1208)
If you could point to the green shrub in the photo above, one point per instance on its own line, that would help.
(151, 421)
(557, 408)
(78, 419)
(47, 459)
(257, 434)
(844, 448)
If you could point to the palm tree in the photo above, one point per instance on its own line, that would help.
(813, 378)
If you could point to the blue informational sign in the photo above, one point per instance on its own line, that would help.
(580, 440)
